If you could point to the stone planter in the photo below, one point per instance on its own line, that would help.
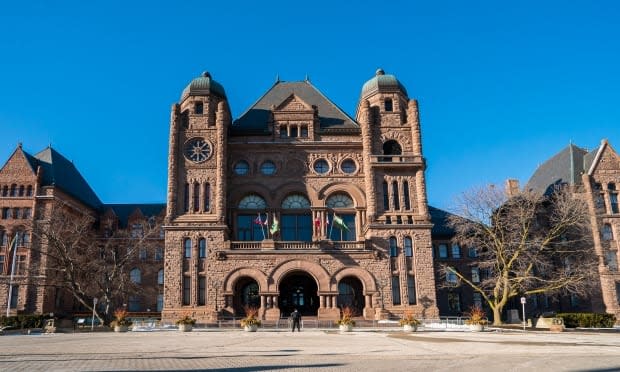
(410, 328)
(346, 327)
(185, 327)
(251, 328)
(120, 328)
(476, 327)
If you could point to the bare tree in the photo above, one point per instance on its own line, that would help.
(89, 258)
(527, 244)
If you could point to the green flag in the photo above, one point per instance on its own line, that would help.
(339, 223)
(275, 226)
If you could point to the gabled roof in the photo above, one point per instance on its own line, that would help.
(123, 211)
(439, 219)
(256, 118)
(61, 173)
(565, 167)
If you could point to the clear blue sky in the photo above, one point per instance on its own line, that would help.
(502, 85)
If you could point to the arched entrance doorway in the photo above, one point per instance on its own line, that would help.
(298, 290)
(246, 294)
(351, 294)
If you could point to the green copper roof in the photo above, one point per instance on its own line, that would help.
(382, 83)
(202, 86)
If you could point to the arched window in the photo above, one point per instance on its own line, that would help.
(5, 190)
(342, 226)
(296, 219)
(202, 248)
(247, 228)
(408, 247)
(135, 276)
(386, 197)
(339, 201)
(395, 195)
(187, 247)
(29, 190)
(607, 232)
(186, 198)
(13, 190)
(392, 147)
(160, 277)
(252, 201)
(406, 195)
(196, 197)
(207, 197)
(21, 190)
(393, 247)
(295, 201)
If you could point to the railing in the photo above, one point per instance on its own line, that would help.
(391, 159)
(294, 245)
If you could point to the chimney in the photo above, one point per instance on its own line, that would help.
(512, 187)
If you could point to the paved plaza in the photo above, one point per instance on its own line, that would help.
(312, 350)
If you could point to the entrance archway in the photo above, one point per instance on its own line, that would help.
(298, 290)
(246, 294)
(351, 294)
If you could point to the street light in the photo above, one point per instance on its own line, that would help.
(523, 308)
(92, 322)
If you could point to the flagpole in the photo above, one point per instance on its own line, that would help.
(331, 228)
(8, 304)
(262, 227)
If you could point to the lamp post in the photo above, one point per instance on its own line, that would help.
(92, 321)
(523, 309)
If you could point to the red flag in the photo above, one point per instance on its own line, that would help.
(317, 222)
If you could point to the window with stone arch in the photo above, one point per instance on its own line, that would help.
(393, 247)
(5, 190)
(408, 247)
(341, 215)
(250, 207)
(391, 147)
(296, 218)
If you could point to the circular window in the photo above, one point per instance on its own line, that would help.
(197, 150)
(348, 166)
(242, 168)
(268, 168)
(321, 166)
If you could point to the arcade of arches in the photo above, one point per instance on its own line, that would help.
(304, 288)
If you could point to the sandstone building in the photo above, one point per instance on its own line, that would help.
(297, 205)
(294, 204)
(593, 176)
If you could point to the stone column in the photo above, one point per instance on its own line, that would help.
(413, 118)
(421, 194)
(369, 179)
(171, 210)
(322, 301)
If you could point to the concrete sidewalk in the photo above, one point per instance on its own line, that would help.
(316, 350)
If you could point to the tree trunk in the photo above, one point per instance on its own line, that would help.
(497, 315)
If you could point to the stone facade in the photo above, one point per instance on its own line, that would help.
(295, 158)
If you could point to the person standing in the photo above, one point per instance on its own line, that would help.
(296, 317)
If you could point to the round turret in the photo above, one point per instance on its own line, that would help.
(382, 83)
(202, 86)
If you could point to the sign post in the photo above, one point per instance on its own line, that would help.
(92, 321)
(523, 308)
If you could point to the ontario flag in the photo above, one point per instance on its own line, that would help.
(339, 223)
(275, 225)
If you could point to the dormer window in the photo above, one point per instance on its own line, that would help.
(388, 105)
(198, 108)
